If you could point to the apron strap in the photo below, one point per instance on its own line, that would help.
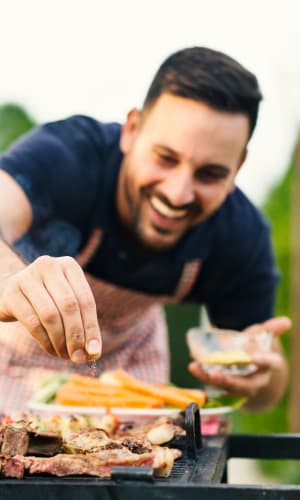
(90, 247)
(187, 279)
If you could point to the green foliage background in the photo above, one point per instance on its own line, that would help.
(278, 209)
(14, 121)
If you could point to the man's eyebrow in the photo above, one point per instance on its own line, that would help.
(166, 149)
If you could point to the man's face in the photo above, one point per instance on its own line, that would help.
(180, 160)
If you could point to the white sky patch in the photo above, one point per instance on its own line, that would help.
(61, 57)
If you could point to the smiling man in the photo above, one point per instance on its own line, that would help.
(181, 158)
(102, 224)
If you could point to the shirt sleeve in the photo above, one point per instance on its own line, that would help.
(54, 166)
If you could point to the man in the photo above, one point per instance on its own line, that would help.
(151, 213)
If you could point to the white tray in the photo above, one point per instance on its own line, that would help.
(54, 409)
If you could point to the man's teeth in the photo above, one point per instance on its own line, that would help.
(165, 210)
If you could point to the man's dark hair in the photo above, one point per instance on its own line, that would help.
(209, 76)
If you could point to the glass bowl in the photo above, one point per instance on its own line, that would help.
(229, 351)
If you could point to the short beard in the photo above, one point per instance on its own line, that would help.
(135, 235)
(138, 238)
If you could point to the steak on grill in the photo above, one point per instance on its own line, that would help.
(19, 439)
(15, 441)
(93, 441)
(12, 466)
(100, 464)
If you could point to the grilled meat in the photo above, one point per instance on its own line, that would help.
(89, 451)
(157, 432)
(13, 466)
(89, 441)
(19, 438)
(15, 441)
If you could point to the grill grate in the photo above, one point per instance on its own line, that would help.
(179, 470)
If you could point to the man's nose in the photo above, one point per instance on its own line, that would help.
(178, 186)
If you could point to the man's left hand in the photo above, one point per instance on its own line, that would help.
(266, 385)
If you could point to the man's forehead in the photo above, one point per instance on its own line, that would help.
(191, 114)
(179, 124)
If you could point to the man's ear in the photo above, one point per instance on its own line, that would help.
(129, 130)
(242, 159)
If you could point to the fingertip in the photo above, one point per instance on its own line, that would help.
(285, 321)
(217, 377)
(260, 359)
(278, 325)
(194, 368)
(94, 349)
(288, 322)
(78, 356)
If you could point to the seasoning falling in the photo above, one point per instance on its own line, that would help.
(92, 368)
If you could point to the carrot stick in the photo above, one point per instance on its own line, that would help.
(163, 392)
(84, 380)
(69, 391)
(118, 392)
(195, 395)
(103, 390)
(99, 401)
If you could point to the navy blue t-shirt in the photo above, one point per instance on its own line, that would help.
(69, 171)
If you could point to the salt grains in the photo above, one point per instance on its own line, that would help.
(92, 368)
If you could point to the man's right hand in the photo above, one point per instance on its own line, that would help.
(53, 301)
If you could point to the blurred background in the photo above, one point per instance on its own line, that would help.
(64, 57)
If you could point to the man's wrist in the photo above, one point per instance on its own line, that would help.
(10, 260)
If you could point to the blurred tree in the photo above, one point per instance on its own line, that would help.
(278, 210)
(14, 121)
(294, 403)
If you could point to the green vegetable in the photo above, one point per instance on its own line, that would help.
(48, 387)
(234, 402)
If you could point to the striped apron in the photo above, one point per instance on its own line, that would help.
(133, 330)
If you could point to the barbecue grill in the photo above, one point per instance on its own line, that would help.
(201, 472)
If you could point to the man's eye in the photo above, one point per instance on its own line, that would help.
(167, 159)
(209, 176)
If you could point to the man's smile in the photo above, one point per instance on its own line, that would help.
(165, 210)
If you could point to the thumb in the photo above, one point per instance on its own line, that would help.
(277, 325)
